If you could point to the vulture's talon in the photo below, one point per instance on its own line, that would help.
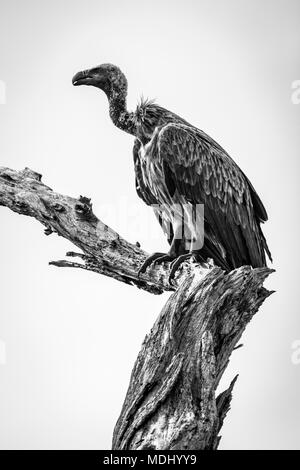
(176, 263)
(152, 259)
(163, 259)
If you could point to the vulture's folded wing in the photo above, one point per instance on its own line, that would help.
(202, 172)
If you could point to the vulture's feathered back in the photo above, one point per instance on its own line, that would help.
(178, 167)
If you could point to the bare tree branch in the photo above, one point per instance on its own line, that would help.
(104, 250)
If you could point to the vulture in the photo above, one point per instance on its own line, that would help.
(205, 204)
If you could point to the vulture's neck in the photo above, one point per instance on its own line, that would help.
(122, 118)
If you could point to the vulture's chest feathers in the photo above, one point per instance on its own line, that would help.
(152, 169)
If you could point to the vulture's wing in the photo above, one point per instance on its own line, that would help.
(202, 172)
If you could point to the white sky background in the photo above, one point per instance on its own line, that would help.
(71, 336)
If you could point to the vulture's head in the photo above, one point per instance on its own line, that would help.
(107, 77)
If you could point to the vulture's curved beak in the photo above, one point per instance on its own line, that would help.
(82, 78)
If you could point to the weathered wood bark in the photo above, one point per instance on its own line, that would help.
(171, 402)
(103, 250)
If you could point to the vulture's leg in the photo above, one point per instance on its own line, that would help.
(158, 258)
(194, 242)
